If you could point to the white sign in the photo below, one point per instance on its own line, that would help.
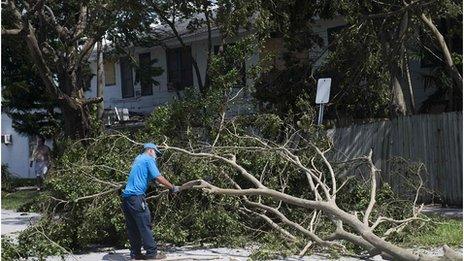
(323, 90)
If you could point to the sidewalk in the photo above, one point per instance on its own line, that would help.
(14, 222)
(454, 213)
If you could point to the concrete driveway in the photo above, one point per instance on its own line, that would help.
(14, 222)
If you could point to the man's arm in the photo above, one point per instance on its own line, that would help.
(162, 180)
(154, 173)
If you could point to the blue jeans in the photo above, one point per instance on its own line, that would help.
(138, 224)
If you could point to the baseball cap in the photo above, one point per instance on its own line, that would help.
(152, 146)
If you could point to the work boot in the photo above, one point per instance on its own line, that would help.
(138, 257)
(157, 257)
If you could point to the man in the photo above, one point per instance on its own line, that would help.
(41, 160)
(136, 212)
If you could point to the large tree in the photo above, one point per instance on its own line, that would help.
(381, 40)
(61, 37)
(371, 55)
(23, 93)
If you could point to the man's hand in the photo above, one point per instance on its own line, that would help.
(174, 189)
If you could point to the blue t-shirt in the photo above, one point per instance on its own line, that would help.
(143, 170)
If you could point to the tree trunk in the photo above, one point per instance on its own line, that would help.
(450, 67)
(398, 106)
(76, 118)
(100, 82)
(76, 113)
(210, 47)
(394, 52)
(407, 72)
(398, 102)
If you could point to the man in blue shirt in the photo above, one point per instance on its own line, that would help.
(136, 212)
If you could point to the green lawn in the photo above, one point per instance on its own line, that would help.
(442, 231)
(16, 199)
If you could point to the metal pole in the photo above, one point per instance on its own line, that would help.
(321, 114)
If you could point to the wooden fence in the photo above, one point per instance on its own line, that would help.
(433, 139)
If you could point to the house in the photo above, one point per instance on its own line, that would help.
(17, 149)
(120, 90)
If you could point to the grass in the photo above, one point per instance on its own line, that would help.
(438, 233)
(16, 199)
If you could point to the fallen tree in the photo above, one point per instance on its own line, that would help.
(361, 225)
(244, 179)
(266, 201)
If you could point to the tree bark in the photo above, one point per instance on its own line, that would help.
(76, 118)
(450, 67)
(100, 80)
(399, 107)
(62, 73)
(407, 71)
(210, 47)
(394, 51)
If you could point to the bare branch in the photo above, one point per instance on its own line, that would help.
(11, 31)
(331, 171)
(62, 31)
(231, 162)
(400, 11)
(373, 171)
(42, 232)
(274, 225)
(82, 22)
(305, 249)
(451, 67)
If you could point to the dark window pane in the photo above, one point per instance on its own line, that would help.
(179, 63)
(145, 80)
(127, 86)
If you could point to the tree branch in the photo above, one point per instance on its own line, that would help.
(11, 31)
(450, 66)
(231, 162)
(93, 100)
(373, 177)
(274, 225)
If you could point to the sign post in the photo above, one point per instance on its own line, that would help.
(322, 96)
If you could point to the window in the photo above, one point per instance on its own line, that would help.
(110, 73)
(145, 80)
(179, 63)
(127, 84)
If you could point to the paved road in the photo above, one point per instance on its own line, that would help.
(14, 222)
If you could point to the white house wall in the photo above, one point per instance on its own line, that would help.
(319, 54)
(146, 104)
(113, 94)
(16, 154)
(198, 42)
